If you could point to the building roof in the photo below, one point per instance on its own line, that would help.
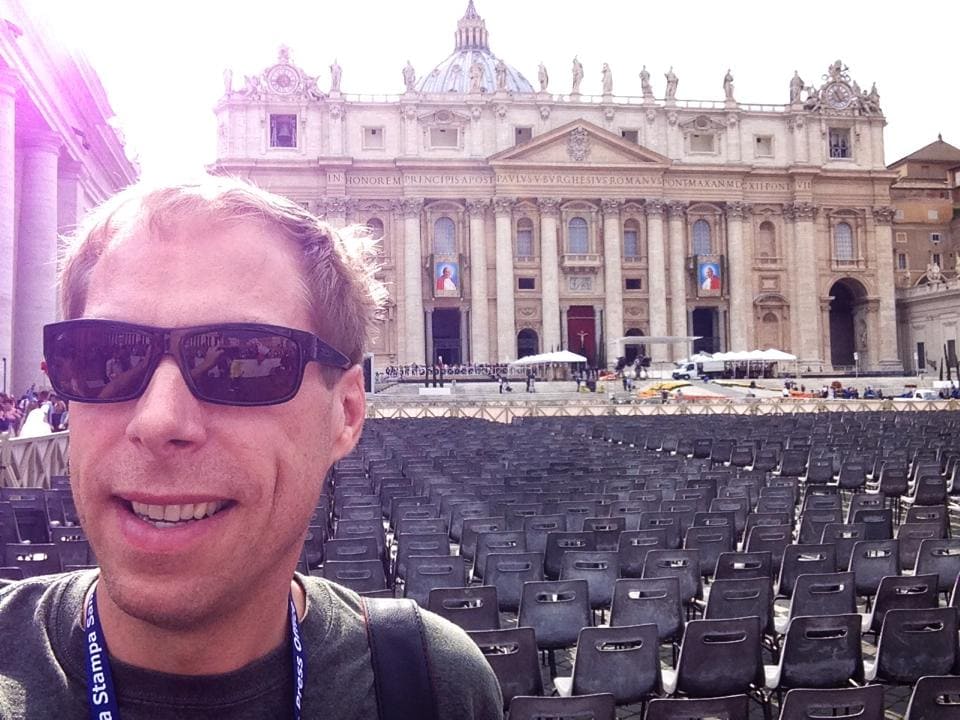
(938, 151)
(453, 74)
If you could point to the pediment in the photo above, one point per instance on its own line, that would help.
(579, 143)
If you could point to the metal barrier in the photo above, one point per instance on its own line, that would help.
(30, 462)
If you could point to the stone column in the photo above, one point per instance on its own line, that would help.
(506, 319)
(549, 273)
(335, 209)
(35, 287)
(790, 260)
(678, 275)
(413, 348)
(657, 279)
(8, 90)
(805, 288)
(428, 324)
(564, 340)
(464, 323)
(479, 305)
(410, 129)
(886, 313)
(612, 278)
(739, 279)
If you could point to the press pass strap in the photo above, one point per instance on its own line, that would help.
(401, 668)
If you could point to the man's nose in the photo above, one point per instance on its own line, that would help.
(167, 416)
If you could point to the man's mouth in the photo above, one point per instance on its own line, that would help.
(168, 516)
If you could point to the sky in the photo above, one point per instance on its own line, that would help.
(162, 63)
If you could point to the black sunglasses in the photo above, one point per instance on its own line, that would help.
(102, 361)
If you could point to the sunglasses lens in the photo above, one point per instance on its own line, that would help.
(242, 366)
(97, 362)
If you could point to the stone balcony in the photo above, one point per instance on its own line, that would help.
(589, 263)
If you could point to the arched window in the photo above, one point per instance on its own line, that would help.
(524, 238)
(702, 244)
(631, 240)
(766, 242)
(578, 240)
(444, 237)
(527, 343)
(376, 228)
(843, 241)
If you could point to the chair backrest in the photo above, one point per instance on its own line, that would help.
(930, 490)
(860, 703)
(910, 536)
(638, 601)
(915, 592)
(878, 521)
(472, 608)
(358, 575)
(930, 514)
(582, 707)
(600, 568)
(411, 544)
(756, 564)
(559, 543)
(871, 561)
(472, 528)
(426, 572)
(669, 522)
(742, 597)
(606, 530)
(730, 707)
(508, 572)
(864, 501)
(556, 610)
(633, 548)
(536, 528)
(822, 651)
(843, 536)
(824, 594)
(711, 542)
(935, 698)
(499, 541)
(914, 643)
(804, 560)
(772, 538)
(940, 556)
(681, 564)
(512, 654)
(622, 660)
(812, 523)
(33, 559)
(720, 657)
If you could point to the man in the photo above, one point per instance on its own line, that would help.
(446, 281)
(710, 279)
(195, 490)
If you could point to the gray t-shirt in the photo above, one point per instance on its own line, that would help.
(43, 676)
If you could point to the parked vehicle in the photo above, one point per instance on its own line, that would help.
(705, 369)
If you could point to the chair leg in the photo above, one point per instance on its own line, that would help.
(551, 658)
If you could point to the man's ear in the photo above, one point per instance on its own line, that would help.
(353, 409)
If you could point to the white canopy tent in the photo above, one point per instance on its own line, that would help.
(560, 356)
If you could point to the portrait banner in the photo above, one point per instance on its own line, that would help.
(446, 277)
(709, 276)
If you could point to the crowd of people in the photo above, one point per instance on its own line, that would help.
(33, 414)
(484, 371)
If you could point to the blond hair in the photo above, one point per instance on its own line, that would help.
(337, 267)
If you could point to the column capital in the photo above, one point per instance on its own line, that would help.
(41, 140)
(410, 207)
(738, 210)
(503, 205)
(676, 208)
(655, 207)
(611, 206)
(883, 215)
(335, 205)
(799, 211)
(549, 206)
(477, 207)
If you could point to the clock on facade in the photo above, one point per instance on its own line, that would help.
(838, 95)
(283, 80)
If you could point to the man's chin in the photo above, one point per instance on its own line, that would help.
(168, 605)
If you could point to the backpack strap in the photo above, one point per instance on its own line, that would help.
(401, 666)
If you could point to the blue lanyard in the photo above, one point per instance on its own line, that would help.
(103, 699)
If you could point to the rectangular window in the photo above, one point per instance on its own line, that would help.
(526, 283)
(283, 131)
(901, 237)
(631, 245)
(840, 143)
(921, 356)
(701, 143)
(763, 145)
(633, 284)
(936, 260)
(630, 136)
(935, 238)
(933, 214)
(902, 261)
(444, 137)
(522, 135)
(373, 138)
(525, 242)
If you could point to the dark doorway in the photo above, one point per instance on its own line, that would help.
(842, 338)
(582, 332)
(630, 352)
(527, 343)
(446, 335)
(706, 326)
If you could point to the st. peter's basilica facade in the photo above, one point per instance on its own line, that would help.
(515, 219)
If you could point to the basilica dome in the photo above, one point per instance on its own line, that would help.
(472, 49)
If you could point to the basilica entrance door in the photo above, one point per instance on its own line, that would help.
(582, 332)
(706, 325)
(446, 336)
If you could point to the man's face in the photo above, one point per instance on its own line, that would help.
(262, 466)
(709, 272)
